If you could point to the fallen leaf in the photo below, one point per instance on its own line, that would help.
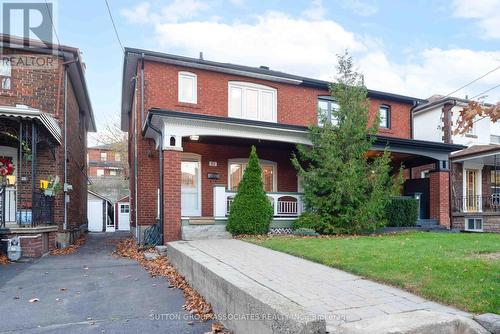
(34, 300)
(70, 249)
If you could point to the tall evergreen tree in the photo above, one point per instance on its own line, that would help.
(345, 191)
(251, 211)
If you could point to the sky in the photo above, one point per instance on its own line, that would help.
(416, 48)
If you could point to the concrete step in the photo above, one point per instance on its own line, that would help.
(427, 222)
(201, 232)
(201, 221)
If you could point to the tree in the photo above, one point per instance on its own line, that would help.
(345, 191)
(251, 211)
(473, 111)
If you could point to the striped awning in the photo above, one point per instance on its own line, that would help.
(24, 112)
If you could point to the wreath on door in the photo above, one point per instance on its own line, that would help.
(6, 166)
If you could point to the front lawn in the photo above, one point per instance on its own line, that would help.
(459, 269)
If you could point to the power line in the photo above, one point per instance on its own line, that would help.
(52, 22)
(471, 82)
(486, 91)
(114, 26)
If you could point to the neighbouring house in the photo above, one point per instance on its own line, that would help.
(122, 214)
(191, 123)
(105, 162)
(475, 171)
(43, 93)
(100, 213)
(108, 170)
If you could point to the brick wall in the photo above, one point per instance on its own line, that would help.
(172, 196)
(43, 89)
(35, 245)
(439, 197)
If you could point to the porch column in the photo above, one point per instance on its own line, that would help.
(171, 195)
(439, 193)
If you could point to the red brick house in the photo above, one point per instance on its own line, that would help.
(105, 162)
(39, 101)
(191, 123)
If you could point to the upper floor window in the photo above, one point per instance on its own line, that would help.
(104, 156)
(118, 157)
(5, 73)
(326, 107)
(385, 116)
(252, 101)
(187, 87)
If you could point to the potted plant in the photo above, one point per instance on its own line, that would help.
(53, 186)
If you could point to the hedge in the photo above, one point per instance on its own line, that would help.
(402, 212)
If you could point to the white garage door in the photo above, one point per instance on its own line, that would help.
(94, 216)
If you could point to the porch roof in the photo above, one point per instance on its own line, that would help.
(485, 154)
(184, 124)
(49, 122)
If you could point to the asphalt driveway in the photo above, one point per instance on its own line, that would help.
(90, 291)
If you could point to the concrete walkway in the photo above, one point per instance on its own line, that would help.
(338, 296)
(90, 291)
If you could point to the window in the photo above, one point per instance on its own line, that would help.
(495, 139)
(124, 208)
(118, 157)
(424, 174)
(187, 87)
(112, 172)
(474, 224)
(385, 116)
(252, 101)
(104, 156)
(5, 73)
(495, 182)
(100, 172)
(237, 168)
(326, 106)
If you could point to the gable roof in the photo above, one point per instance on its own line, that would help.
(132, 57)
(439, 100)
(476, 150)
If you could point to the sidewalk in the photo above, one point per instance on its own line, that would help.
(338, 296)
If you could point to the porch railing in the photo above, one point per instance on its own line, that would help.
(285, 204)
(39, 211)
(467, 204)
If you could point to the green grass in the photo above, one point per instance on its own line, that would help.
(444, 267)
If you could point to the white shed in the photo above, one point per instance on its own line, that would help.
(99, 213)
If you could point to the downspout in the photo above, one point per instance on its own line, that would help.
(65, 225)
(136, 164)
(160, 152)
(65, 188)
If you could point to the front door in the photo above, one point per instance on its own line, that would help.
(124, 217)
(190, 187)
(10, 154)
(472, 193)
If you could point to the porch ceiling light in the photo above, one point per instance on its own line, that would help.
(194, 137)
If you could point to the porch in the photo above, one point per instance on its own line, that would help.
(476, 189)
(204, 157)
(28, 142)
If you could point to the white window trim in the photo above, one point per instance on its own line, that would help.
(194, 157)
(466, 225)
(98, 172)
(479, 178)
(261, 162)
(422, 173)
(190, 75)
(260, 88)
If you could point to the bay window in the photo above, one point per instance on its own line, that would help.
(252, 101)
(236, 168)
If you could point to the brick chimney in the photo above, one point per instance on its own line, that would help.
(447, 122)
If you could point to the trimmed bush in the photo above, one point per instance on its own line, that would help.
(402, 212)
(251, 211)
(305, 232)
(309, 220)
